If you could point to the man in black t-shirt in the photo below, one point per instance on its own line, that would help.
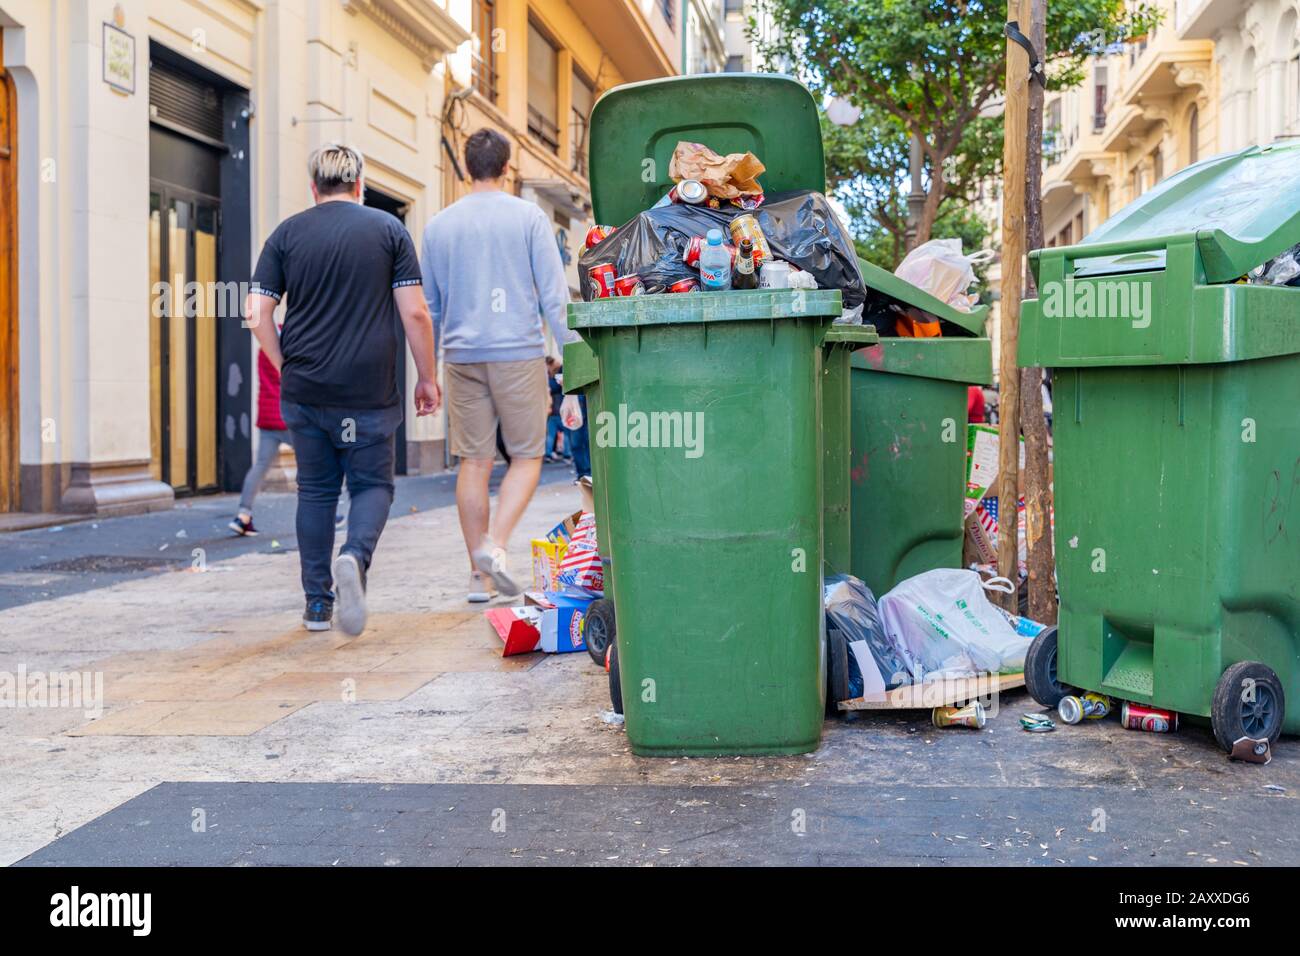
(346, 274)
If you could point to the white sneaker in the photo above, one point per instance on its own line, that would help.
(350, 588)
(491, 560)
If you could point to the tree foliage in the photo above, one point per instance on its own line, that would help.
(933, 69)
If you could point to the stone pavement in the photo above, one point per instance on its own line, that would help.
(314, 748)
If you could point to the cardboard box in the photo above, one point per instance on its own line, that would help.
(518, 627)
(547, 557)
(982, 461)
(561, 627)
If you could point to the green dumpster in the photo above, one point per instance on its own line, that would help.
(1177, 449)
(705, 413)
(908, 456)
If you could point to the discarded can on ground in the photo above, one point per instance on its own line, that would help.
(1037, 723)
(598, 234)
(1251, 750)
(629, 285)
(1151, 719)
(1090, 706)
(602, 280)
(972, 715)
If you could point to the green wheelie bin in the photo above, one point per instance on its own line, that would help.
(1177, 450)
(708, 443)
(908, 454)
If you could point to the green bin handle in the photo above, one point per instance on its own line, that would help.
(850, 336)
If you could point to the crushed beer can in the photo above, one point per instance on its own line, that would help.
(1037, 723)
(747, 227)
(1251, 750)
(1151, 719)
(971, 715)
(1076, 709)
(630, 284)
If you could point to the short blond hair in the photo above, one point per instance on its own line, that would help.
(335, 168)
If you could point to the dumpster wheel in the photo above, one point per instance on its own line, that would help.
(1248, 702)
(1040, 670)
(615, 689)
(598, 629)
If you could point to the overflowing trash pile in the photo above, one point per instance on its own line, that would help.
(567, 578)
(716, 230)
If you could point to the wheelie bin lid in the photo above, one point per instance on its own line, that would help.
(636, 127)
(885, 283)
(1242, 209)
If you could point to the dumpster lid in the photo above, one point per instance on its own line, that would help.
(891, 286)
(774, 117)
(1243, 208)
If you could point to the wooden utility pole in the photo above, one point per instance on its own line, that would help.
(1015, 120)
(1037, 485)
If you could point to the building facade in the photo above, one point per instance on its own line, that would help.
(148, 147)
(1215, 76)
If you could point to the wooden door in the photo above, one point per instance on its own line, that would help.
(8, 289)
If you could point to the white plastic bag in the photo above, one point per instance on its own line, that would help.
(571, 412)
(940, 268)
(944, 625)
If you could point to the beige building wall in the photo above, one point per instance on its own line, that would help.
(363, 71)
(1216, 76)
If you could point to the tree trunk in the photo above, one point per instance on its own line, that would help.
(1036, 480)
(1015, 120)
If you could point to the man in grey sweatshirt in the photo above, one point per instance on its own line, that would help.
(492, 269)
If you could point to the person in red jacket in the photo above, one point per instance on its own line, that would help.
(271, 433)
(975, 410)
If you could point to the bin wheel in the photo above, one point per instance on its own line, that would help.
(615, 689)
(1248, 702)
(598, 628)
(837, 669)
(1040, 670)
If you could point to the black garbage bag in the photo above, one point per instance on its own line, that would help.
(800, 227)
(851, 607)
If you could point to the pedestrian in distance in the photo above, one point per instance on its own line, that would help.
(271, 434)
(346, 274)
(492, 270)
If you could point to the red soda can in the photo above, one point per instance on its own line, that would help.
(602, 280)
(597, 234)
(1151, 719)
(629, 285)
(685, 285)
(692, 254)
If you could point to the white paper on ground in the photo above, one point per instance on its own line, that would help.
(873, 685)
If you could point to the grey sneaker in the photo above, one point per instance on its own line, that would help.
(480, 588)
(350, 588)
(491, 560)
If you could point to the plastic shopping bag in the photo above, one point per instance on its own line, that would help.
(940, 268)
(945, 626)
(571, 412)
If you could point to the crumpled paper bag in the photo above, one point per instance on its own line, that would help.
(725, 177)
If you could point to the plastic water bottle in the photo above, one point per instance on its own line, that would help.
(715, 263)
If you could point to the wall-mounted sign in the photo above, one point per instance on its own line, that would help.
(119, 59)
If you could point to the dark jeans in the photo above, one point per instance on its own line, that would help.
(330, 444)
(575, 439)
